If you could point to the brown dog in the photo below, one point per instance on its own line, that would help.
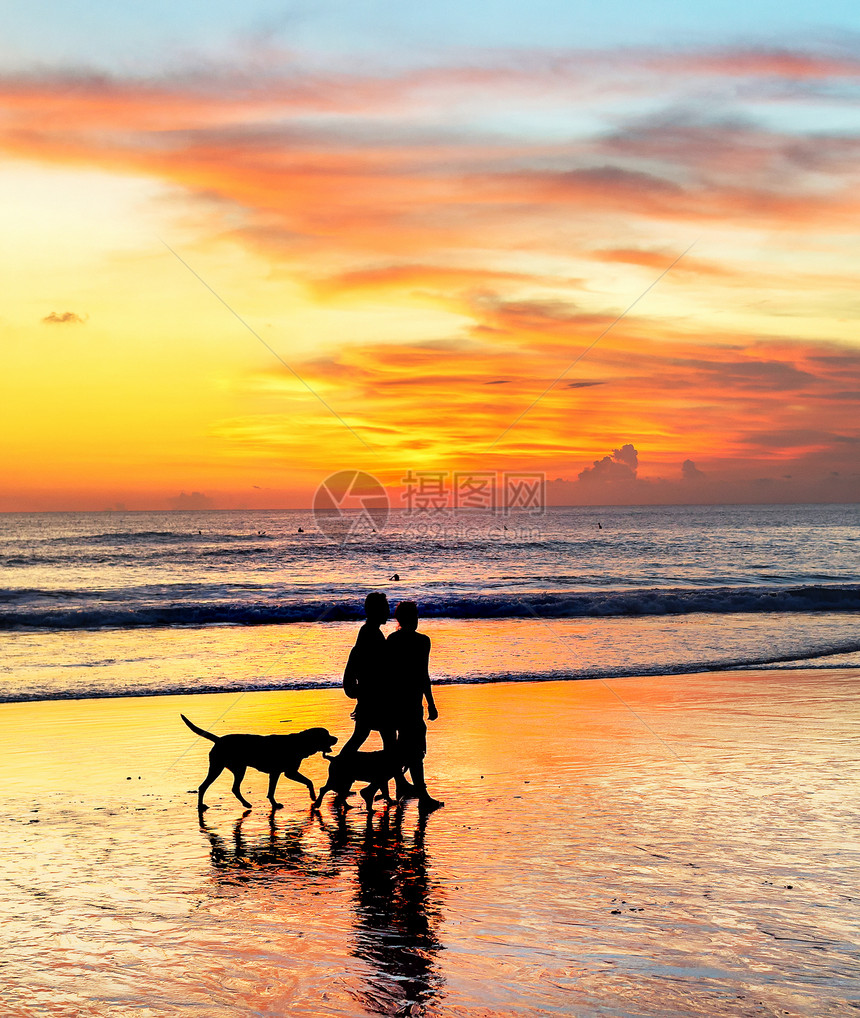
(272, 754)
(377, 768)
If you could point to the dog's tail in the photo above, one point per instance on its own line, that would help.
(199, 731)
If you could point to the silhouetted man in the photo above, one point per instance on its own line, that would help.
(367, 680)
(409, 664)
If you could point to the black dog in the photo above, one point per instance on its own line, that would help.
(376, 768)
(272, 754)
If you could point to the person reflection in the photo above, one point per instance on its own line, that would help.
(397, 916)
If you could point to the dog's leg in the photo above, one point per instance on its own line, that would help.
(386, 791)
(340, 782)
(318, 801)
(273, 784)
(367, 794)
(215, 768)
(341, 802)
(238, 774)
(296, 776)
(329, 785)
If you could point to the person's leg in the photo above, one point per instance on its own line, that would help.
(391, 743)
(358, 737)
(352, 744)
(411, 748)
(418, 749)
(416, 772)
(425, 799)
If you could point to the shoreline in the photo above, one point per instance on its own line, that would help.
(765, 665)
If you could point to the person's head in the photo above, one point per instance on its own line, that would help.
(376, 607)
(406, 614)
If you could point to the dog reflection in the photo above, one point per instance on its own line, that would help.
(243, 859)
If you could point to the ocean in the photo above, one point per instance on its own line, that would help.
(147, 603)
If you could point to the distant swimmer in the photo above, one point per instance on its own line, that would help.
(599, 525)
(301, 530)
(396, 576)
(261, 533)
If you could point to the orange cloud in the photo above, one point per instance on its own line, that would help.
(415, 278)
(748, 401)
(660, 259)
(397, 187)
(419, 192)
(769, 64)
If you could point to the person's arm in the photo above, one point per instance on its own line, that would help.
(356, 665)
(432, 713)
(351, 674)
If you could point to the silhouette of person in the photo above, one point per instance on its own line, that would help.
(367, 680)
(409, 664)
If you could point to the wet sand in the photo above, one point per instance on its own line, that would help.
(662, 846)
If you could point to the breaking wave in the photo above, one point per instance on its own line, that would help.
(62, 610)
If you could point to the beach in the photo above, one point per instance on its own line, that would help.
(679, 845)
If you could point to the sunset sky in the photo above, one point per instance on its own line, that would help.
(429, 215)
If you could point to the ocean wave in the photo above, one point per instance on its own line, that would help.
(153, 536)
(588, 604)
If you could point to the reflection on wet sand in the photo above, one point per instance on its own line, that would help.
(397, 917)
(396, 906)
(265, 855)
